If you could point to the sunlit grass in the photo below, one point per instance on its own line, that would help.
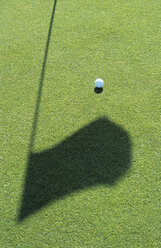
(118, 41)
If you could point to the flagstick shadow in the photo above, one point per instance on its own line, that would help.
(97, 154)
(39, 94)
(34, 126)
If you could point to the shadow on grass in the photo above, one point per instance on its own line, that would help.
(98, 154)
(39, 94)
(34, 125)
(98, 90)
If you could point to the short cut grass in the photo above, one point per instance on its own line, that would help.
(50, 113)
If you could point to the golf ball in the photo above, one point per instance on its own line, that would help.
(99, 83)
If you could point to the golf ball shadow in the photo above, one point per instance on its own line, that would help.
(98, 90)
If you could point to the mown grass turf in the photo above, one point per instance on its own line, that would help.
(54, 73)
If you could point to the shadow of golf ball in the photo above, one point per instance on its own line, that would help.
(98, 90)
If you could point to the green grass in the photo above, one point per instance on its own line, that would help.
(104, 190)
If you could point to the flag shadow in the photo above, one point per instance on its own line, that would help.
(97, 154)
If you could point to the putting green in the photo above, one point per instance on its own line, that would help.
(78, 168)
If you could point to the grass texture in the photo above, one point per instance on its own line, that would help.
(77, 168)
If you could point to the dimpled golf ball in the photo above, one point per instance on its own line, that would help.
(99, 83)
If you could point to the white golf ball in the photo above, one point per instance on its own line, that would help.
(99, 83)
